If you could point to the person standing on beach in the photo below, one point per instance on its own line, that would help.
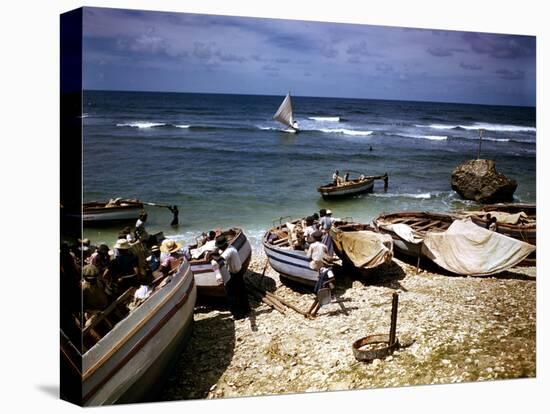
(234, 287)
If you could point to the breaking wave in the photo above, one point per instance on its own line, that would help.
(483, 125)
(325, 118)
(344, 131)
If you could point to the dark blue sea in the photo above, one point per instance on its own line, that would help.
(225, 162)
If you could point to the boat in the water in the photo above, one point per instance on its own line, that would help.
(205, 278)
(360, 247)
(124, 353)
(347, 188)
(285, 116)
(289, 263)
(117, 210)
(457, 245)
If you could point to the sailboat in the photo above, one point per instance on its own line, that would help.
(284, 115)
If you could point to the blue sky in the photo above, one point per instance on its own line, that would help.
(180, 52)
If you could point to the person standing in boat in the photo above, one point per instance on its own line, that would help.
(325, 223)
(336, 177)
(123, 271)
(234, 287)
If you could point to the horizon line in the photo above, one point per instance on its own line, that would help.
(308, 96)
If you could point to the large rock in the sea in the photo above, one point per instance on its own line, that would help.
(479, 180)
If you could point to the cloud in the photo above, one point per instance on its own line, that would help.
(203, 51)
(501, 46)
(443, 51)
(384, 67)
(510, 74)
(359, 49)
(230, 57)
(470, 66)
(328, 51)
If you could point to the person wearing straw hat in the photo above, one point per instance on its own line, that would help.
(123, 271)
(93, 295)
(234, 287)
(172, 255)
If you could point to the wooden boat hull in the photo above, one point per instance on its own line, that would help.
(205, 279)
(97, 212)
(331, 191)
(292, 264)
(127, 363)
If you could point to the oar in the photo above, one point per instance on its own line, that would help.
(156, 204)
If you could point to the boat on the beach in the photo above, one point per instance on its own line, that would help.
(348, 188)
(291, 264)
(285, 116)
(457, 245)
(360, 247)
(117, 210)
(126, 353)
(205, 278)
(518, 221)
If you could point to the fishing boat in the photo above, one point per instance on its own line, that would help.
(291, 264)
(205, 278)
(285, 116)
(360, 247)
(518, 221)
(125, 353)
(348, 188)
(117, 210)
(456, 245)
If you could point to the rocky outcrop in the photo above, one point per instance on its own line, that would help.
(479, 180)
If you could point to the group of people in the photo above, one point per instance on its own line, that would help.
(100, 274)
(305, 233)
(337, 180)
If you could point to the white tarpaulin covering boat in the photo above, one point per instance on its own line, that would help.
(365, 249)
(467, 249)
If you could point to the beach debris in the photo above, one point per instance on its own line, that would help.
(379, 346)
(479, 180)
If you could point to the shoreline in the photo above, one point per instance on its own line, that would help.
(463, 329)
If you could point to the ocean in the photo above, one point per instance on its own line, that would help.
(225, 162)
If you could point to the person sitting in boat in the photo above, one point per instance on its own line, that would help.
(154, 259)
(493, 226)
(94, 298)
(207, 246)
(316, 251)
(100, 258)
(123, 271)
(234, 287)
(346, 177)
(295, 126)
(172, 255)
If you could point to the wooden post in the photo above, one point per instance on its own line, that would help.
(479, 147)
(393, 325)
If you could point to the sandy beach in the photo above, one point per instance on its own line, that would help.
(456, 329)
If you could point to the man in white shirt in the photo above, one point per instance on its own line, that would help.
(316, 251)
(234, 287)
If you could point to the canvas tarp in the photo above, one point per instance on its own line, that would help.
(365, 249)
(503, 217)
(468, 249)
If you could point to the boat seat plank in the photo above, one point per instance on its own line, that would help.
(97, 318)
(432, 224)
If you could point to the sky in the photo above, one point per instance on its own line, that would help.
(182, 52)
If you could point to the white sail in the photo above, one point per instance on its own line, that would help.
(284, 113)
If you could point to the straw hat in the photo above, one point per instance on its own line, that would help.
(122, 244)
(90, 272)
(155, 248)
(329, 212)
(170, 246)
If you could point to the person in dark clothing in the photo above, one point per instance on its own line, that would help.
(123, 271)
(175, 212)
